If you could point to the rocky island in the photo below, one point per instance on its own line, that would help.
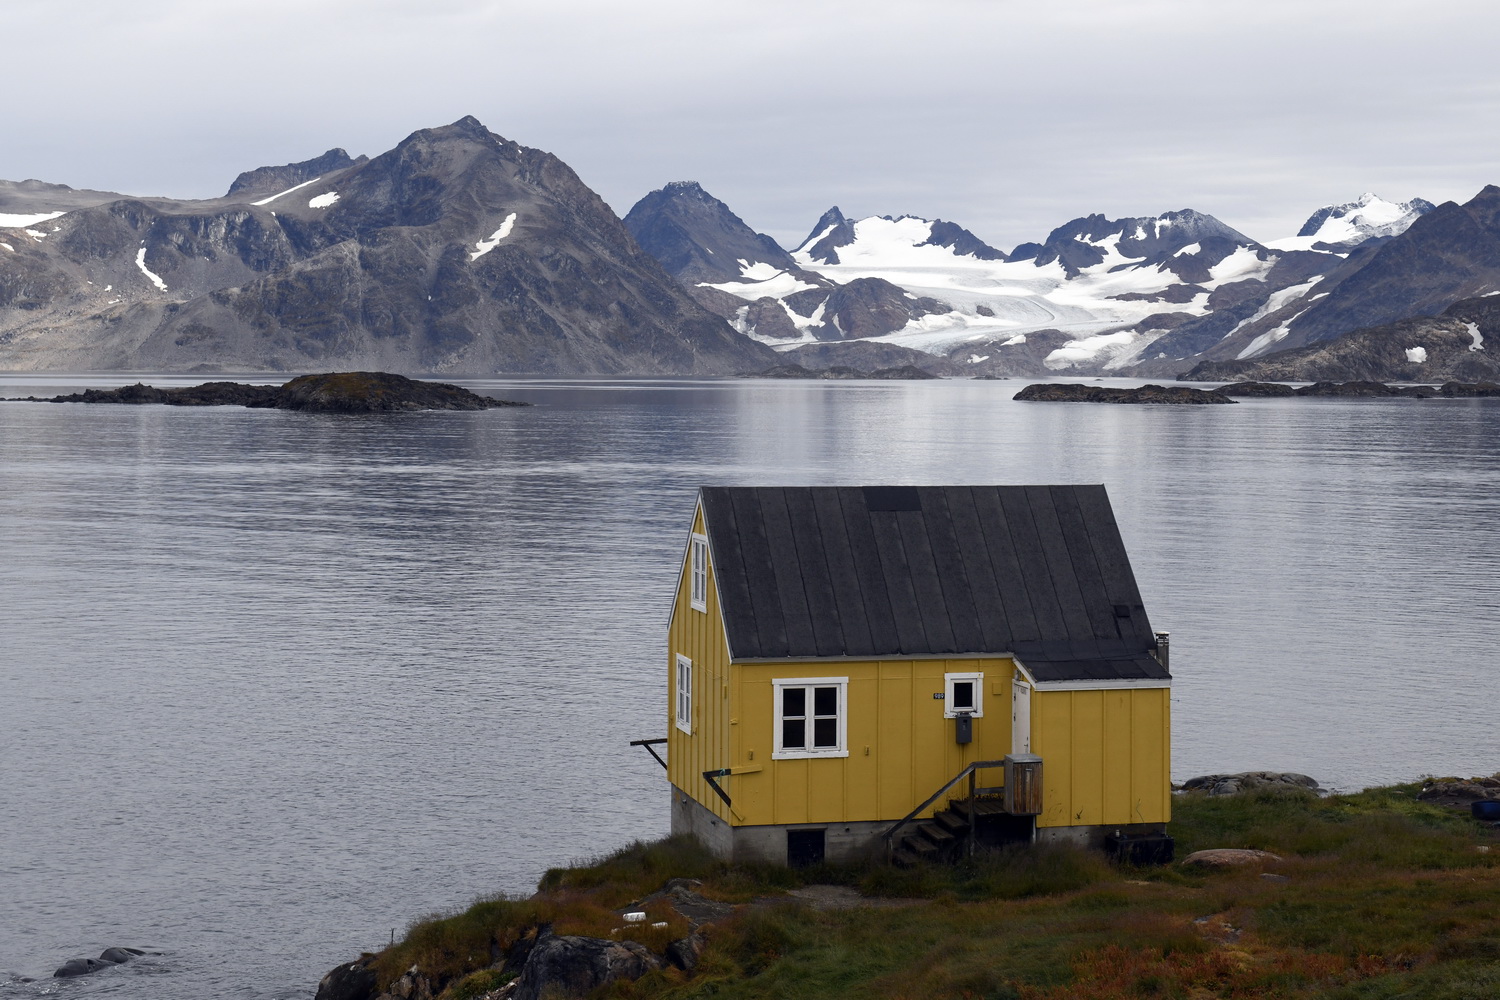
(331, 392)
(1072, 392)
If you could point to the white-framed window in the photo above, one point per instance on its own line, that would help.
(963, 693)
(698, 558)
(685, 694)
(811, 717)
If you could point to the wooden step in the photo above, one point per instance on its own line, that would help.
(937, 834)
(953, 822)
(904, 859)
(920, 846)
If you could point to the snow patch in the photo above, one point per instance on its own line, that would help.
(1275, 301)
(1475, 336)
(21, 221)
(1015, 341)
(777, 284)
(323, 200)
(1417, 355)
(35, 234)
(1262, 343)
(8, 247)
(975, 359)
(485, 246)
(140, 262)
(1191, 248)
(1242, 265)
(759, 271)
(283, 194)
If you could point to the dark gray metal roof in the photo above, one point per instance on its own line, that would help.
(1039, 571)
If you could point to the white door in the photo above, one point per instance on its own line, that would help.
(1020, 717)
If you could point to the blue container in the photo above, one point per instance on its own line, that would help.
(1486, 809)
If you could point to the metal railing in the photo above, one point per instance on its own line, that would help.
(967, 772)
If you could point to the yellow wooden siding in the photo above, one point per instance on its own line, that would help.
(700, 637)
(1106, 756)
(890, 712)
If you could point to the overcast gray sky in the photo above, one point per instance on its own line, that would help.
(1007, 117)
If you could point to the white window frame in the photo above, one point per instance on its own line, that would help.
(951, 711)
(683, 694)
(698, 572)
(780, 684)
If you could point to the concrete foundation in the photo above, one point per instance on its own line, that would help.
(1091, 836)
(843, 843)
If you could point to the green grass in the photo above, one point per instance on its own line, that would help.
(1388, 897)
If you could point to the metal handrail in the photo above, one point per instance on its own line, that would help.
(890, 834)
(650, 745)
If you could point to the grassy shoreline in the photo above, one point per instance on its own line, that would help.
(1379, 896)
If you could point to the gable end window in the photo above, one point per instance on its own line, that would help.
(698, 571)
(685, 694)
(963, 693)
(811, 717)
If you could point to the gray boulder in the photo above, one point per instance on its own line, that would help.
(1230, 784)
(567, 966)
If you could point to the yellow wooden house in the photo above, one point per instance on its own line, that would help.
(972, 660)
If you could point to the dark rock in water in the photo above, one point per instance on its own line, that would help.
(109, 958)
(1067, 392)
(903, 372)
(785, 371)
(80, 967)
(843, 372)
(1468, 389)
(1255, 389)
(353, 981)
(375, 392)
(334, 392)
(1358, 387)
(575, 966)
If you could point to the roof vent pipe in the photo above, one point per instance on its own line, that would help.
(1164, 649)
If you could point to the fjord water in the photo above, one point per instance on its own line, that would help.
(273, 684)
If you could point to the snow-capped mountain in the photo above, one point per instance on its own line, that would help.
(1096, 292)
(1341, 228)
(750, 280)
(834, 233)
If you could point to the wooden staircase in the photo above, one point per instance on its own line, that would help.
(944, 837)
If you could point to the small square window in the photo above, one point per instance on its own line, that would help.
(963, 693)
(698, 572)
(810, 719)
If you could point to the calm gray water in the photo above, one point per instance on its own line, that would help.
(273, 684)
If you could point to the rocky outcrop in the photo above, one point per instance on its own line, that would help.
(354, 981)
(1072, 392)
(1255, 389)
(334, 392)
(569, 966)
(1460, 792)
(1229, 784)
